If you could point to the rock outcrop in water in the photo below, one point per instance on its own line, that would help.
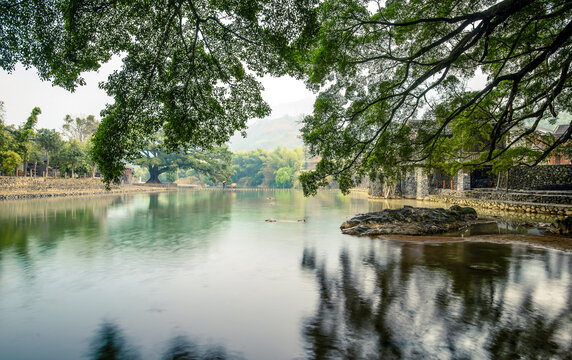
(410, 221)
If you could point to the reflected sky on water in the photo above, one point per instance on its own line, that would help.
(201, 275)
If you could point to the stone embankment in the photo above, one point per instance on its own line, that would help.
(557, 203)
(28, 187)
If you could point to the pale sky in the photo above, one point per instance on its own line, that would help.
(22, 90)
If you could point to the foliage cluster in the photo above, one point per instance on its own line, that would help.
(278, 168)
(392, 80)
(391, 76)
(26, 145)
(212, 166)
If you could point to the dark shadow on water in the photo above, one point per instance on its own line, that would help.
(109, 343)
(309, 259)
(449, 301)
(182, 348)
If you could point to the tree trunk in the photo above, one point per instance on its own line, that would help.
(35, 168)
(25, 168)
(387, 191)
(153, 174)
(47, 164)
(73, 174)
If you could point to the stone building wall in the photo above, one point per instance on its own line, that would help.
(541, 177)
(409, 185)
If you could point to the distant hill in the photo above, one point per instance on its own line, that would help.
(283, 129)
(270, 133)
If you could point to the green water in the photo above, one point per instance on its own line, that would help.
(197, 275)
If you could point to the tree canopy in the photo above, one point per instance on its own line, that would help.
(80, 128)
(216, 163)
(392, 76)
(188, 69)
(393, 84)
(279, 167)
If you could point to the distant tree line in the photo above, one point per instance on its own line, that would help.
(47, 152)
(26, 150)
(278, 168)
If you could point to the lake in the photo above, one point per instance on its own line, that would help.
(201, 275)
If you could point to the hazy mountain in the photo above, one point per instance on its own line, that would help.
(282, 129)
(269, 133)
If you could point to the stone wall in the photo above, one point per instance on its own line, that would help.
(406, 188)
(12, 187)
(13, 183)
(536, 202)
(533, 208)
(541, 197)
(541, 177)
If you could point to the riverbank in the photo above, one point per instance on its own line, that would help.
(557, 242)
(438, 225)
(14, 188)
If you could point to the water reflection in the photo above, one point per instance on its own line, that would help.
(48, 221)
(206, 264)
(110, 343)
(166, 221)
(447, 301)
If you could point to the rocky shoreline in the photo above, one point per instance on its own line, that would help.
(410, 221)
(457, 220)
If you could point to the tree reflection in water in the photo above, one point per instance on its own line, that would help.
(452, 301)
(110, 343)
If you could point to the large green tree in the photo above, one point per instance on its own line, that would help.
(73, 156)
(216, 163)
(392, 78)
(24, 137)
(50, 141)
(260, 167)
(80, 128)
(284, 178)
(248, 167)
(188, 69)
(6, 137)
(9, 160)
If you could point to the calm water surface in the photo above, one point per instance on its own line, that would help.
(194, 275)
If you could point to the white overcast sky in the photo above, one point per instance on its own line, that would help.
(22, 90)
